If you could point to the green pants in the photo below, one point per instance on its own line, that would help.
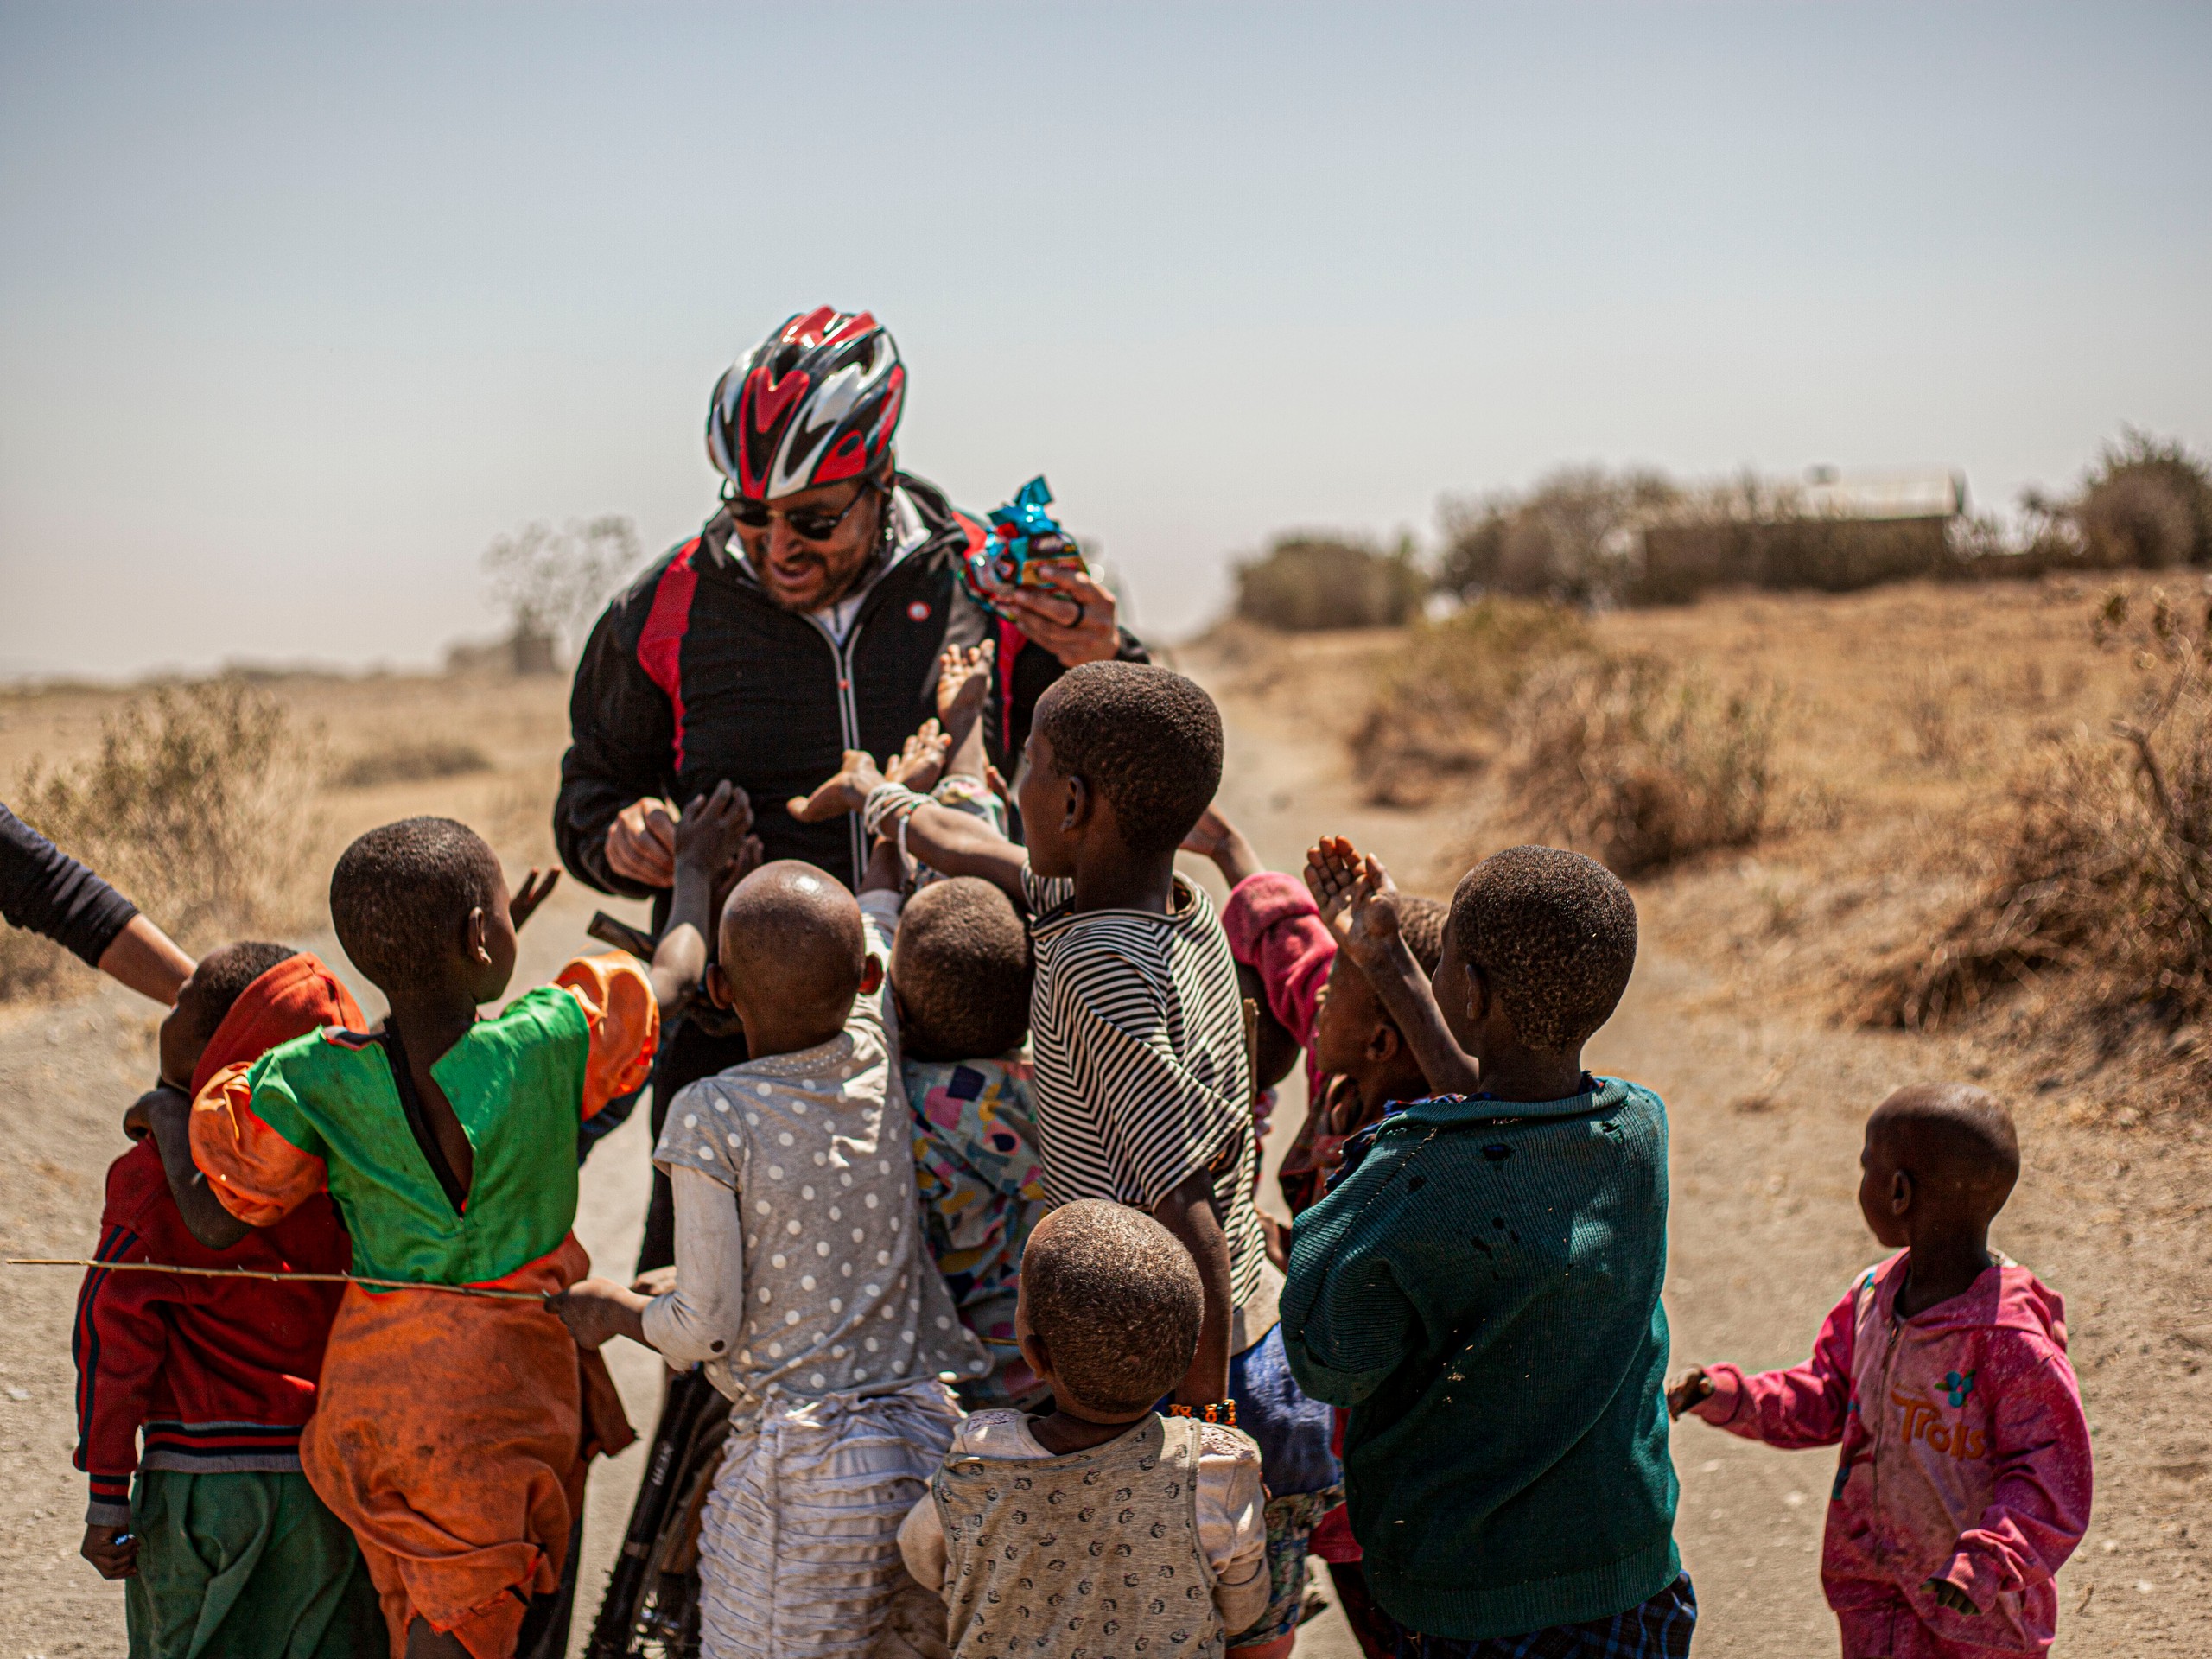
(245, 1566)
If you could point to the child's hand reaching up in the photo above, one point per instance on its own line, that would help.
(1358, 900)
(713, 840)
(921, 762)
(1214, 837)
(846, 791)
(712, 833)
(963, 680)
(1359, 903)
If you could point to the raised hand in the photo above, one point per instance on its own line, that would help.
(713, 829)
(1690, 1386)
(1358, 900)
(963, 680)
(535, 889)
(750, 854)
(846, 791)
(921, 762)
(1214, 837)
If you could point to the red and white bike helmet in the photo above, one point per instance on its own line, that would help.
(815, 403)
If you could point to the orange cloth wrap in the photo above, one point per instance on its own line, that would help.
(446, 1434)
(256, 1174)
(617, 998)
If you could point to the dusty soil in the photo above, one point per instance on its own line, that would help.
(1767, 1092)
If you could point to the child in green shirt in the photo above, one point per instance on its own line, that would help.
(1481, 1288)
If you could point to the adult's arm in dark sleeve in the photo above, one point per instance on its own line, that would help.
(1035, 669)
(621, 745)
(45, 891)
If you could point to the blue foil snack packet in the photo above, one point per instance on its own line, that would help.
(1023, 539)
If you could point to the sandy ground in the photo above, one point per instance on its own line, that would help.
(1766, 1108)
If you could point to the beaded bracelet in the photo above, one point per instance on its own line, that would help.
(1224, 1412)
(884, 800)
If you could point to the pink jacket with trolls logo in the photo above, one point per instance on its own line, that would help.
(1966, 1456)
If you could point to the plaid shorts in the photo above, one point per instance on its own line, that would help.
(1657, 1629)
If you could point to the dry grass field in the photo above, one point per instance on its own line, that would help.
(1900, 720)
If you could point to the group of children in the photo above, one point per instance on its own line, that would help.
(970, 1242)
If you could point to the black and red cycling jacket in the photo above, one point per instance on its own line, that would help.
(694, 675)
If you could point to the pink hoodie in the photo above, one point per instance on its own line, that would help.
(1966, 1456)
(1274, 925)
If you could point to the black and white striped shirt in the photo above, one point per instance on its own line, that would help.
(1141, 1080)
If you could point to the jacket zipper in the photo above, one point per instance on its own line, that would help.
(848, 718)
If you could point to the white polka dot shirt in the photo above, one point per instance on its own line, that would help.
(835, 1279)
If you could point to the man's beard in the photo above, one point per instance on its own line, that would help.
(835, 591)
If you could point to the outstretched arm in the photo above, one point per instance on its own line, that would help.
(713, 836)
(147, 960)
(1359, 901)
(1214, 837)
(963, 682)
(955, 843)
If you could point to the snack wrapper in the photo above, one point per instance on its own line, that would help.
(1022, 540)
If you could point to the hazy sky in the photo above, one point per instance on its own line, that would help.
(301, 306)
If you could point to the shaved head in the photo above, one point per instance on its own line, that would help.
(1956, 1140)
(798, 927)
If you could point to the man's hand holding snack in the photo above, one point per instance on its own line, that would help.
(1069, 612)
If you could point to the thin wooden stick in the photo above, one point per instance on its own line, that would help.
(249, 1272)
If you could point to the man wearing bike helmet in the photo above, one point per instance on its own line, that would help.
(805, 619)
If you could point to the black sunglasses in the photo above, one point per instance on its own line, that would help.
(808, 524)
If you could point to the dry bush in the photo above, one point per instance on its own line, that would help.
(1562, 539)
(1307, 582)
(198, 804)
(1927, 712)
(410, 762)
(2105, 872)
(1440, 703)
(1640, 765)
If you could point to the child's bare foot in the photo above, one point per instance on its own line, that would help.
(963, 680)
(921, 762)
(1358, 900)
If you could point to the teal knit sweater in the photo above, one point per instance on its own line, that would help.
(1483, 1291)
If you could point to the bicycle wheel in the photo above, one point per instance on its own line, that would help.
(650, 1609)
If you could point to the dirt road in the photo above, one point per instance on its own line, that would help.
(1766, 1113)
